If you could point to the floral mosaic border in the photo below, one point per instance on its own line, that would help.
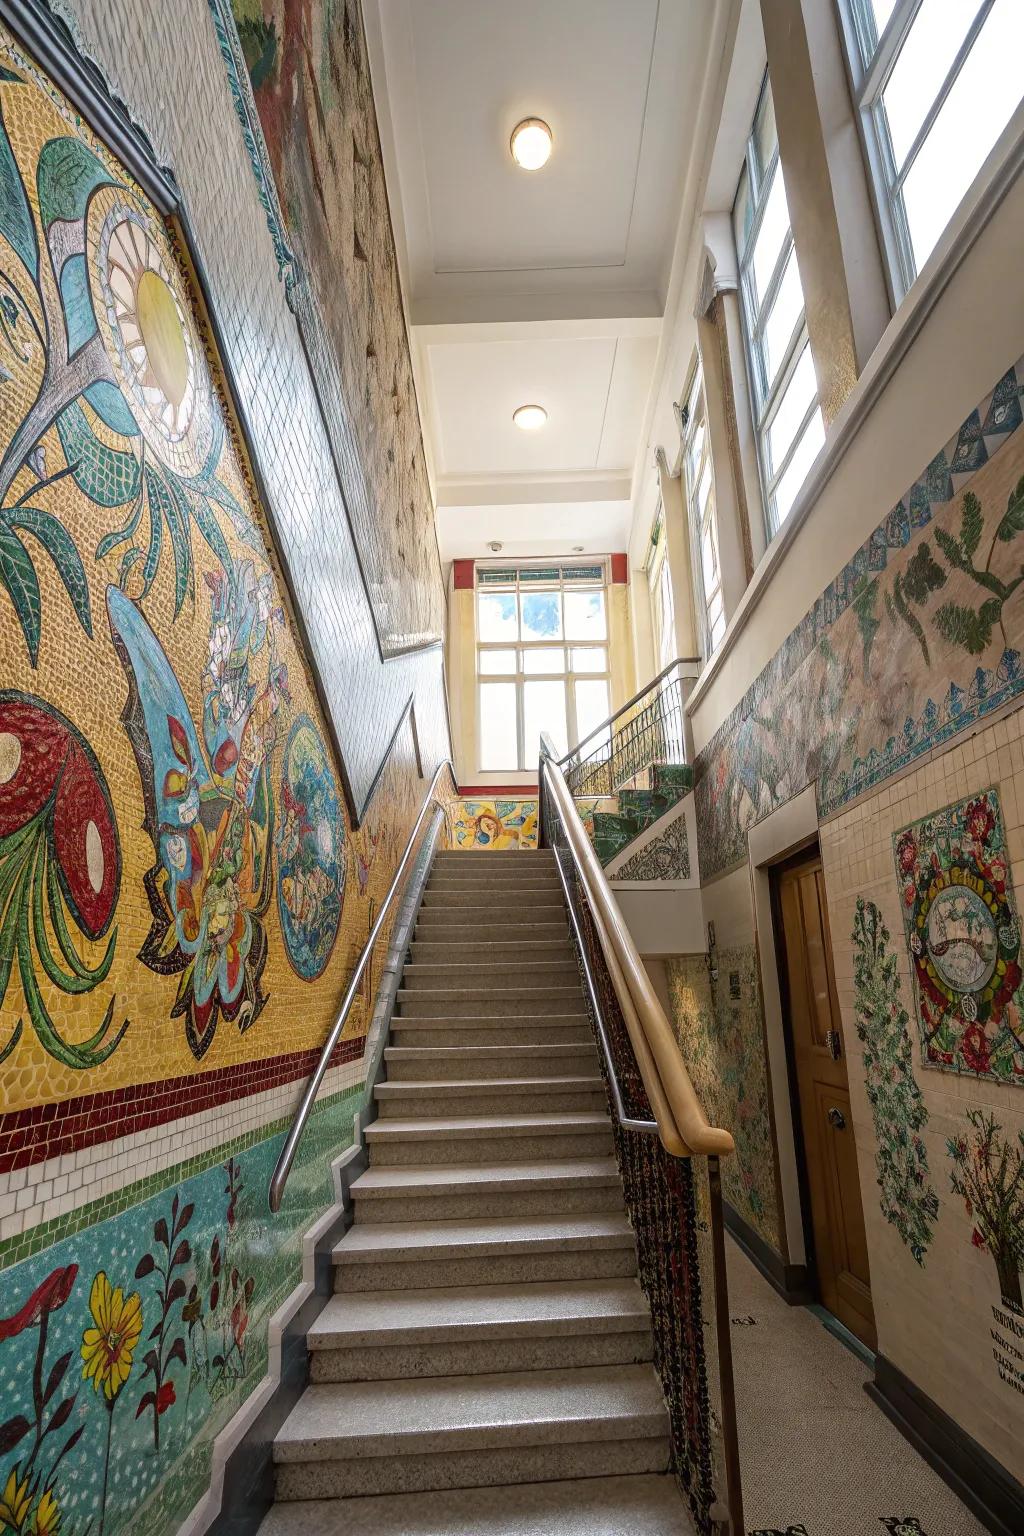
(665, 857)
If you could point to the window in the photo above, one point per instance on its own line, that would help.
(659, 582)
(790, 430)
(937, 82)
(541, 659)
(703, 515)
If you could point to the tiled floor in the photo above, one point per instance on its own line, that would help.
(818, 1457)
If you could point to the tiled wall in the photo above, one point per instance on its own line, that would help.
(183, 888)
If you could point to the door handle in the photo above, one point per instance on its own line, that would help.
(836, 1119)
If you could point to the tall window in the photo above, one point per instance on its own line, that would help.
(542, 659)
(659, 581)
(703, 515)
(937, 82)
(790, 430)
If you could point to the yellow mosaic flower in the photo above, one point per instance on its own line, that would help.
(108, 1348)
(14, 1503)
(47, 1516)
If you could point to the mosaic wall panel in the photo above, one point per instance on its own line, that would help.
(665, 857)
(495, 824)
(917, 639)
(719, 1026)
(300, 75)
(963, 933)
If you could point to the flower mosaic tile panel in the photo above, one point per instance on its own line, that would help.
(665, 857)
(918, 638)
(963, 932)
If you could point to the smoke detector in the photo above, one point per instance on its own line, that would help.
(495, 547)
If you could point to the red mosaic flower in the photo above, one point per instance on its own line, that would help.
(48, 1297)
(980, 819)
(974, 1048)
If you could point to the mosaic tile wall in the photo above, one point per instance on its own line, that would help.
(496, 825)
(940, 1142)
(182, 890)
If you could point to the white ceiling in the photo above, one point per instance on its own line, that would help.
(544, 287)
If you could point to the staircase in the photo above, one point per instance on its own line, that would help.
(637, 809)
(483, 1367)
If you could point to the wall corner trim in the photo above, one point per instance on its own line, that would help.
(791, 1281)
(981, 1482)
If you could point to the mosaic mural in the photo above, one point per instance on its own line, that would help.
(495, 824)
(311, 852)
(908, 1199)
(665, 857)
(915, 640)
(300, 77)
(964, 938)
(988, 1175)
(718, 1023)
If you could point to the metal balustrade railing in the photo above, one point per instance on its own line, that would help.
(649, 728)
(674, 1205)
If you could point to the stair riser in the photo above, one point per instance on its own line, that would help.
(578, 1061)
(527, 972)
(455, 951)
(486, 1269)
(502, 1032)
(403, 1153)
(463, 1357)
(480, 873)
(434, 922)
(416, 1106)
(455, 1005)
(373, 1209)
(470, 1469)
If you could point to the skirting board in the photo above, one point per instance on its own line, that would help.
(990, 1493)
(790, 1280)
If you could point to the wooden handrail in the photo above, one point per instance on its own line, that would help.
(683, 1127)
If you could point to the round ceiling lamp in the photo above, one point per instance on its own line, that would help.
(530, 418)
(531, 143)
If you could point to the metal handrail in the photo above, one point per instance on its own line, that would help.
(680, 661)
(683, 1127)
(291, 1146)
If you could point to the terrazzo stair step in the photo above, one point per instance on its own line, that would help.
(559, 1029)
(498, 856)
(471, 1431)
(459, 951)
(642, 1505)
(490, 1097)
(494, 901)
(470, 1330)
(519, 1001)
(526, 932)
(488, 1138)
(457, 1191)
(407, 1064)
(510, 1250)
(508, 920)
(452, 974)
(496, 887)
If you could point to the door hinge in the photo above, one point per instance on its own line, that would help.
(833, 1043)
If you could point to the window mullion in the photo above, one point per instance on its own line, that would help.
(943, 91)
(787, 368)
(771, 292)
(794, 445)
(886, 49)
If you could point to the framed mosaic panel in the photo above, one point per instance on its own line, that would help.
(963, 932)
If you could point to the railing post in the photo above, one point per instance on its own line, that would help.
(727, 1384)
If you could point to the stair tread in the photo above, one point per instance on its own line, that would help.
(407, 1240)
(433, 1414)
(474, 1020)
(477, 1311)
(486, 1052)
(414, 1087)
(644, 1505)
(509, 1125)
(459, 1176)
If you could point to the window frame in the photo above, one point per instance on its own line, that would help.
(870, 59)
(766, 397)
(693, 412)
(658, 571)
(568, 677)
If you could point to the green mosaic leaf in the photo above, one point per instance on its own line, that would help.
(67, 174)
(970, 524)
(968, 627)
(240, 520)
(951, 549)
(60, 547)
(19, 577)
(210, 530)
(1013, 518)
(15, 218)
(173, 509)
(923, 574)
(106, 475)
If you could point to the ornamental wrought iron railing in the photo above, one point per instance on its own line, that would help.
(649, 728)
(674, 1204)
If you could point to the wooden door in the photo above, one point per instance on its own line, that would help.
(822, 1085)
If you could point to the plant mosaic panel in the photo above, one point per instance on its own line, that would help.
(665, 857)
(719, 1026)
(963, 932)
(908, 1199)
(917, 638)
(988, 1174)
(300, 77)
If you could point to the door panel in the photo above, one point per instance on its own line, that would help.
(830, 1153)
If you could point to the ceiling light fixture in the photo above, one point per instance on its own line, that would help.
(529, 418)
(531, 144)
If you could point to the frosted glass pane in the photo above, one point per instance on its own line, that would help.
(923, 63)
(591, 706)
(742, 213)
(796, 470)
(498, 747)
(498, 663)
(542, 616)
(585, 616)
(592, 658)
(765, 134)
(543, 710)
(547, 659)
(979, 106)
(783, 318)
(800, 391)
(496, 615)
(774, 227)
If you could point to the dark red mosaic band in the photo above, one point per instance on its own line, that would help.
(50, 1130)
